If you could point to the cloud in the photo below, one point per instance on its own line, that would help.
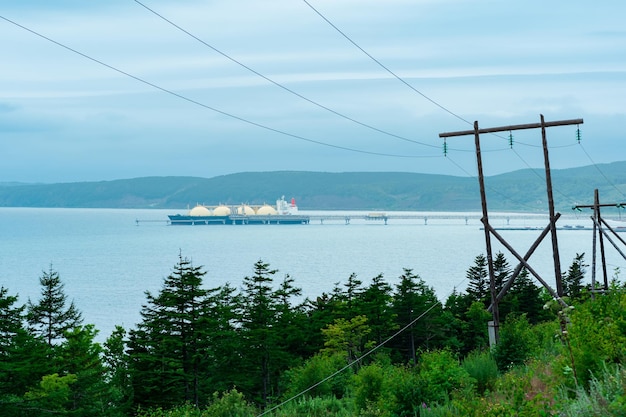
(191, 110)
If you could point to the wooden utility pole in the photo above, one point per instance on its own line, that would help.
(491, 231)
(555, 243)
(485, 219)
(598, 223)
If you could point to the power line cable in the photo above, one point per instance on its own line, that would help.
(572, 200)
(182, 97)
(494, 190)
(351, 364)
(366, 354)
(225, 55)
(442, 107)
(600, 171)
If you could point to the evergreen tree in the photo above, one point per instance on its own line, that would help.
(81, 356)
(11, 318)
(466, 323)
(320, 313)
(455, 325)
(573, 279)
(272, 332)
(25, 362)
(344, 299)
(116, 373)
(478, 276)
(501, 272)
(24, 358)
(524, 297)
(10, 325)
(49, 318)
(293, 322)
(375, 304)
(476, 334)
(347, 337)
(222, 324)
(411, 300)
(260, 334)
(10, 328)
(168, 346)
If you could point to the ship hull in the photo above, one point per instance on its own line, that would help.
(186, 220)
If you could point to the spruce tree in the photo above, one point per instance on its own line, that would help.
(168, 347)
(24, 358)
(375, 304)
(11, 318)
(526, 298)
(81, 356)
(116, 373)
(411, 300)
(573, 279)
(292, 321)
(49, 318)
(478, 276)
(501, 272)
(351, 295)
(10, 327)
(222, 324)
(259, 333)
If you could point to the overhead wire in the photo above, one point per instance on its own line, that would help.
(270, 80)
(431, 100)
(195, 102)
(543, 178)
(490, 188)
(366, 354)
(600, 171)
(442, 107)
(295, 93)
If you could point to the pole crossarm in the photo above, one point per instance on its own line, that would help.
(618, 205)
(512, 127)
(489, 230)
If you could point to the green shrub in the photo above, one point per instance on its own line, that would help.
(606, 395)
(310, 375)
(483, 368)
(229, 404)
(368, 385)
(597, 334)
(441, 375)
(314, 407)
(517, 343)
(186, 410)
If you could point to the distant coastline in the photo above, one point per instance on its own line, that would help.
(518, 191)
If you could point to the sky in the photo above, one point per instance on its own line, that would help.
(111, 89)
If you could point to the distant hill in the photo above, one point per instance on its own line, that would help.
(523, 190)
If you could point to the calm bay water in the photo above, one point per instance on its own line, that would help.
(107, 261)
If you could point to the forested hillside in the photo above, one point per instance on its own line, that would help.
(523, 190)
(363, 349)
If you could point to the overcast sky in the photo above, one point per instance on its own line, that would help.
(110, 89)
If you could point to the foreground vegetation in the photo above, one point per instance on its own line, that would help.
(359, 350)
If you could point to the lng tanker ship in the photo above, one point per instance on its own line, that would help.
(282, 213)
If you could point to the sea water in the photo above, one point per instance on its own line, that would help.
(107, 260)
